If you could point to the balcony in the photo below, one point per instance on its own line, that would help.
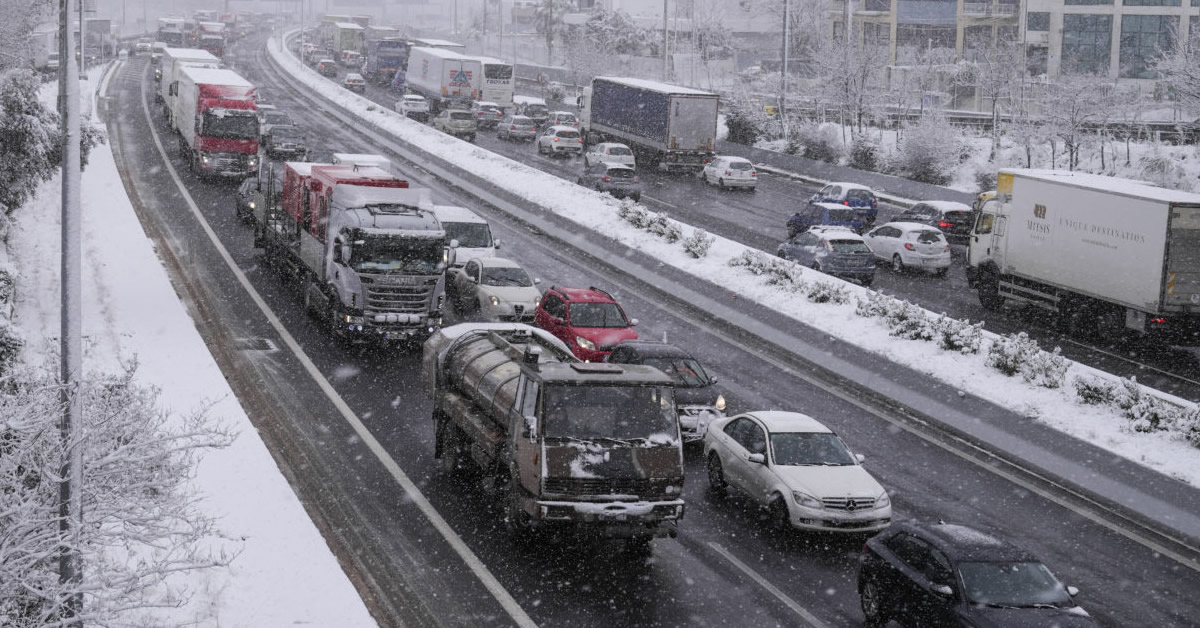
(987, 9)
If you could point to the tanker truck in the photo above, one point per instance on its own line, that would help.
(594, 447)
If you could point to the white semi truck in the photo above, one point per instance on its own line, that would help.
(1105, 254)
(442, 76)
(171, 63)
(672, 126)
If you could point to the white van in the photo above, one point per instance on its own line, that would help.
(472, 232)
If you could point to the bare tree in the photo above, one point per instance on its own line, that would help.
(1071, 108)
(851, 78)
(1180, 68)
(995, 73)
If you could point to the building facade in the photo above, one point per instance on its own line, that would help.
(928, 31)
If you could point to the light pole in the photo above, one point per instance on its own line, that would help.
(783, 71)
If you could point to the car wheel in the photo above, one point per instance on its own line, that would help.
(816, 266)
(780, 520)
(637, 198)
(866, 283)
(870, 597)
(941, 273)
(897, 264)
(720, 184)
(716, 475)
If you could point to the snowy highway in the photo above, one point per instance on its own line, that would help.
(727, 567)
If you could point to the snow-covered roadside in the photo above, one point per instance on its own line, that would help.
(284, 573)
(596, 213)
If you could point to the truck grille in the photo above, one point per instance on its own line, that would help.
(397, 295)
(849, 504)
(598, 486)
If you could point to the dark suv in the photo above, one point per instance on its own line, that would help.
(953, 219)
(860, 197)
(951, 575)
(588, 320)
(697, 397)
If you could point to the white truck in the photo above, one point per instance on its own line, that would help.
(672, 126)
(1105, 254)
(170, 31)
(442, 76)
(171, 63)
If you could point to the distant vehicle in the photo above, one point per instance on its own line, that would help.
(912, 245)
(495, 288)
(351, 59)
(457, 122)
(249, 195)
(560, 140)
(616, 179)
(588, 320)
(215, 114)
(355, 82)
(286, 142)
(327, 67)
(442, 76)
(385, 57)
(156, 53)
(610, 152)
(532, 107)
(831, 214)
(860, 197)
(473, 233)
(122, 55)
(487, 114)
(733, 172)
(143, 45)
(52, 62)
(517, 127)
(413, 106)
(563, 118)
(697, 397)
(836, 251)
(269, 117)
(952, 219)
(946, 574)
(672, 127)
(798, 469)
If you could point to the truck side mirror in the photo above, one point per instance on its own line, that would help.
(341, 253)
(496, 244)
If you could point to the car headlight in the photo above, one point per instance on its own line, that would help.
(494, 299)
(720, 405)
(250, 204)
(883, 501)
(806, 500)
(585, 343)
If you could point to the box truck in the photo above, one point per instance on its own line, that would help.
(443, 76)
(217, 119)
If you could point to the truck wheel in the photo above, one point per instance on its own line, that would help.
(516, 520)
(989, 292)
(452, 449)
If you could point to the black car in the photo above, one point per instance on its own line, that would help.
(697, 398)
(953, 219)
(286, 141)
(946, 574)
(249, 194)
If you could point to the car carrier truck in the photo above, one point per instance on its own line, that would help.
(590, 446)
(674, 127)
(367, 249)
(217, 118)
(1107, 255)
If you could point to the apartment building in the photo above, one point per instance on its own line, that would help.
(928, 31)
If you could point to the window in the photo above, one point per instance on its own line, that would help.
(1036, 59)
(877, 33)
(1070, 2)
(554, 306)
(1151, 3)
(1087, 43)
(1037, 21)
(1142, 38)
(878, 5)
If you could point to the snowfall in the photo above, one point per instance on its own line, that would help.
(285, 572)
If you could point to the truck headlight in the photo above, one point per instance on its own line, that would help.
(253, 160)
(806, 500)
(204, 159)
(585, 343)
(720, 404)
(494, 299)
(250, 204)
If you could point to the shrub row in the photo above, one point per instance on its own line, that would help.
(661, 225)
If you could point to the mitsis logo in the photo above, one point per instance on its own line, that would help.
(1039, 211)
(1038, 227)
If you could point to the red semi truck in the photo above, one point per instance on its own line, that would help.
(216, 116)
(368, 250)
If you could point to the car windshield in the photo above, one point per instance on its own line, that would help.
(606, 315)
(537, 109)
(620, 412)
(619, 150)
(278, 117)
(224, 124)
(460, 115)
(522, 121)
(287, 132)
(740, 165)
(929, 237)
(568, 134)
(566, 118)
(471, 235)
(862, 195)
(1012, 584)
(488, 108)
(506, 277)
(387, 253)
(849, 246)
(810, 448)
(685, 371)
(841, 215)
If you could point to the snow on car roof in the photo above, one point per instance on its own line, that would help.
(948, 205)
(732, 158)
(778, 421)
(528, 100)
(354, 76)
(655, 86)
(348, 25)
(450, 213)
(497, 262)
(851, 186)
(910, 226)
(1125, 187)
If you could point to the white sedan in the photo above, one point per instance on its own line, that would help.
(610, 152)
(910, 245)
(798, 469)
(496, 288)
(726, 171)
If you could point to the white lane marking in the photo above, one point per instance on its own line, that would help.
(1110, 354)
(473, 562)
(650, 198)
(772, 589)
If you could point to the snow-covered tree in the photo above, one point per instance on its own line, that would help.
(141, 522)
(995, 73)
(1180, 68)
(851, 78)
(20, 18)
(1071, 107)
(930, 150)
(549, 18)
(593, 48)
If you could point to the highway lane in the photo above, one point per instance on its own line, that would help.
(688, 581)
(757, 219)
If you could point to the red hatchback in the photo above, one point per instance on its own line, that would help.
(589, 320)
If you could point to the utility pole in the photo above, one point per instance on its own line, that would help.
(70, 488)
(666, 73)
(783, 71)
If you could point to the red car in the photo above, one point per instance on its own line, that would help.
(589, 320)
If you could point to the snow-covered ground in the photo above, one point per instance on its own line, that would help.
(597, 213)
(284, 573)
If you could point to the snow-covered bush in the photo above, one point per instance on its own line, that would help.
(698, 243)
(929, 151)
(909, 321)
(11, 343)
(7, 285)
(660, 224)
(985, 178)
(864, 152)
(1095, 391)
(827, 292)
(745, 119)
(816, 141)
(876, 304)
(1018, 353)
(634, 214)
(958, 335)
(1164, 170)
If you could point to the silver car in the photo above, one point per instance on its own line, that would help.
(616, 179)
(836, 251)
(457, 122)
(517, 127)
(413, 106)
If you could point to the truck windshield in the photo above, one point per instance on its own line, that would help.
(618, 412)
(394, 254)
(226, 125)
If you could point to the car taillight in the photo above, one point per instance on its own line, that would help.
(943, 224)
(1158, 320)
(846, 203)
(874, 203)
(909, 246)
(753, 173)
(636, 180)
(580, 140)
(556, 139)
(512, 127)
(947, 248)
(606, 179)
(728, 173)
(500, 113)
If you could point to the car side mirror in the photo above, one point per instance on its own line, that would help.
(633, 322)
(757, 459)
(860, 458)
(942, 590)
(496, 244)
(1072, 591)
(536, 281)
(712, 380)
